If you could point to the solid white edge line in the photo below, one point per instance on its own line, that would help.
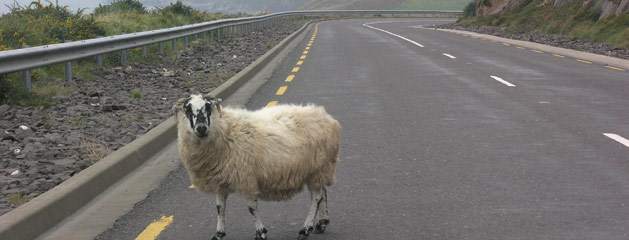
(385, 31)
(617, 138)
(448, 55)
(503, 81)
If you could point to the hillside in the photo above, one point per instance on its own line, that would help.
(235, 6)
(602, 21)
(605, 8)
(385, 4)
(434, 5)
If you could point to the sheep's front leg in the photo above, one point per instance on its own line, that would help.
(221, 203)
(315, 201)
(324, 219)
(252, 204)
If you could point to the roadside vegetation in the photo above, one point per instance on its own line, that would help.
(572, 21)
(50, 23)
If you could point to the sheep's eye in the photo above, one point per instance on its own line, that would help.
(188, 110)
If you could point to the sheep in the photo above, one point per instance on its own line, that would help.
(268, 154)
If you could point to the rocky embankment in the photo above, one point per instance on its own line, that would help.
(40, 148)
(552, 40)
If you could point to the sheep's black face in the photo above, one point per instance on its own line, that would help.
(198, 111)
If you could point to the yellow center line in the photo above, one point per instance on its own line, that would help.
(465, 35)
(537, 51)
(518, 47)
(307, 48)
(281, 91)
(494, 41)
(271, 104)
(154, 229)
(615, 68)
(302, 57)
(296, 69)
(559, 56)
(300, 63)
(305, 52)
(192, 186)
(309, 44)
(289, 78)
(506, 44)
(583, 61)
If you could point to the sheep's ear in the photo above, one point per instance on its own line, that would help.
(214, 100)
(179, 106)
(217, 102)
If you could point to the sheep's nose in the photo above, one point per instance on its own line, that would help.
(201, 129)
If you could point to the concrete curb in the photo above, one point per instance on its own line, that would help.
(597, 58)
(47, 210)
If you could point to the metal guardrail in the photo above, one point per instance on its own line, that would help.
(28, 58)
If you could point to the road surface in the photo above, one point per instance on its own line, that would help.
(444, 137)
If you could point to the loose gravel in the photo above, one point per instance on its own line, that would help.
(552, 40)
(41, 148)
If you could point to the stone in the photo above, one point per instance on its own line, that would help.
(3, 109)
(111, 108)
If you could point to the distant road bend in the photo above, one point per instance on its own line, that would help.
(444, 137)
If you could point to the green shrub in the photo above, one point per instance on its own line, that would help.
(121, 6)
(47, 24)
(137, 94)
(470, 9)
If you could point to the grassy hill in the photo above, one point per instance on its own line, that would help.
(385, 4)
(434, 5)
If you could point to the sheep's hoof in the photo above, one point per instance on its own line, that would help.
(302, 237)
(261, 234)
(303, 233)
(321, 225)
(218, 236)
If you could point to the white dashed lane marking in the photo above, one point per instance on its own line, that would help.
(503, 81)
(448, 55)
(617, 138)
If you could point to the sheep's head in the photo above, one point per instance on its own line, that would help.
(198, 111)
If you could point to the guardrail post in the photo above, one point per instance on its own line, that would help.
(68, 68)
(144, 55)
(174, 43)
(218, 32)
(26, 78)
(123, 57)
(204, 35)
(196, 37)
(99, 60)
(161, 47)
(185, 42)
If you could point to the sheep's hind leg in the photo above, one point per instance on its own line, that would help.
(324, 219)
(315, 201)
(252, 204)
(221, 203)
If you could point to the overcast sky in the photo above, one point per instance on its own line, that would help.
(72, 4)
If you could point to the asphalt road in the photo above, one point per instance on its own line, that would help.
(434, 147)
